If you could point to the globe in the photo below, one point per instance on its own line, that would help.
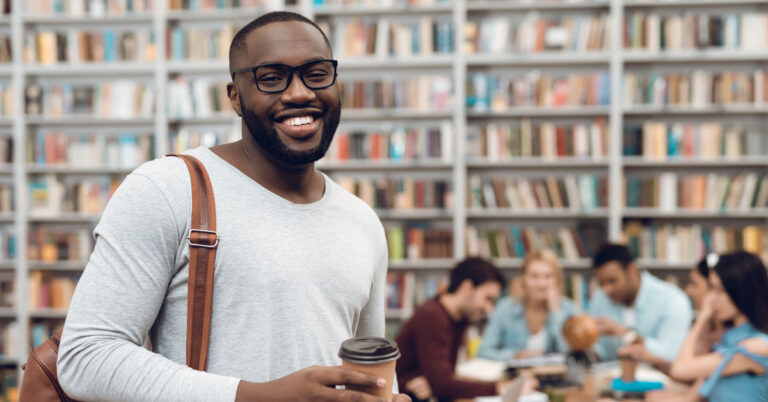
(581, 332)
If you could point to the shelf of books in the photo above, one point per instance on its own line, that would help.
(487, 128)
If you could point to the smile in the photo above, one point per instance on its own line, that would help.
(299, 121)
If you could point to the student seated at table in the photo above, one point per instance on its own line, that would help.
(430, 340)
(530, 325)
(638, 314)
(736, 369)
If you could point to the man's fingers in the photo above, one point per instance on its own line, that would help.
(401, 398)
(340, 376)
(330, 394)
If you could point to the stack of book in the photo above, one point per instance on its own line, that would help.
(384, 38)
(79, 46)
(92, 8)
(423, 93)
(50, 291)
(401, 194)
(48, 244)
(120, 99)
(200, 43)
(706, 191)
(88, 196)
(570, 243)
(700, 140)
(400, 143)
(533, 194)
(534, 89)
(688, 243)
(698, 89)
(199, 98)
(416, 242)
(184, 138)
(537, 33)
(695, 30)
(123, 150)
(500, 141)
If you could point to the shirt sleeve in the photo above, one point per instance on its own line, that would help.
(433, 345)
(492, 346)
(116, 303)
(372, 317)
(673, 328)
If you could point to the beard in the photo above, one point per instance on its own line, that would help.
(270, 142)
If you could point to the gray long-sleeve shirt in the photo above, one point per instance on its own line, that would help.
(292, 281)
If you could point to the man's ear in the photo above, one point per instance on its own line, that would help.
(234, 99)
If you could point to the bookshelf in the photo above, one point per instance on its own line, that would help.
(438, 134)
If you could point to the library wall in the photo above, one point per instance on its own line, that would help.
(486, 128)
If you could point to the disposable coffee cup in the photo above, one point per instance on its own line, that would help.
(628, 367)
(372, 355)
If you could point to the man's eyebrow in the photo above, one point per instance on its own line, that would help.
(305, 61)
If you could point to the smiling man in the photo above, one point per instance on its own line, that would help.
(300, 266)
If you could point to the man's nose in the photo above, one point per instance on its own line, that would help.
(297, 92)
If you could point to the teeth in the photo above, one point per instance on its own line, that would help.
(298, 121)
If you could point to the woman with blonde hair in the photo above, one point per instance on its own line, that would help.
(530, 325)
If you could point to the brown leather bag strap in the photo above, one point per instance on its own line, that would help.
(203, 241)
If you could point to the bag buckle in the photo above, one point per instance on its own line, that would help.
(210, 232)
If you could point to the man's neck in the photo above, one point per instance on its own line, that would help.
(450, 303)
(301, 185)
(636, 291)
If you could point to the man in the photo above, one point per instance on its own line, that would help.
(639, 315)
(430, 340)
(300, 266)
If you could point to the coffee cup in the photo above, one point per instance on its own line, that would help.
(372, 355)
(628, 367)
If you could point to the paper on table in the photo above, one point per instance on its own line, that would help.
(482, 369)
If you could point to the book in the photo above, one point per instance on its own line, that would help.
(701, 140)
(82, 149)
(75, 46)
(418, 241)
(389, 38)
(120, 99)
(50, 291)
(697, 89)
(197, 98)
(571, 243)
(499, 142)
(532, 193)
(200, 43)
(49, 243)
(396, 144)
(706, 191)
(535, 32)
(687, 30)
(93, 8)
(400, 194)
(689, 243)
(534, 89)
(419, 92)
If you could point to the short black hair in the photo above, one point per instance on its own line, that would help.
(703, 268)
(238, 42)
(612, 252)
(477, 270)
(745, 279)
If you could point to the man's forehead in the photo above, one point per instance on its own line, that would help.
(280, 42)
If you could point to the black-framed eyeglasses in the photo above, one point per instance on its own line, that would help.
(276, 77)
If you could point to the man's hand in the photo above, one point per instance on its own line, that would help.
(635, 351)
(401, 398)
(610, 328)
(419, 387)
(315, 383)
(707, 307)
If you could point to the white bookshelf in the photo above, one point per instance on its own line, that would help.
(458, 64)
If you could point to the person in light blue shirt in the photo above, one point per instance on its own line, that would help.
(639, 316)
(737, 369)
(530, 325)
